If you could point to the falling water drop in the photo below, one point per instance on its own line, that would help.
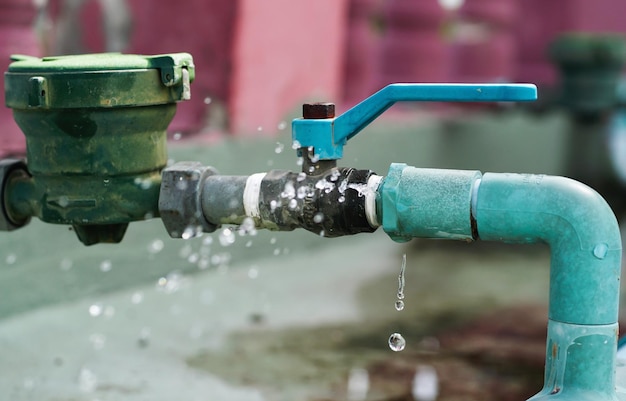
(396, 342)
(279, 148)
(282, 125)
(318, 218)
(227, 237)
(401, 280)
(156, 246)
(95, 310)
(177, 136)
(399, 305)
(105, 266)
(11, 259)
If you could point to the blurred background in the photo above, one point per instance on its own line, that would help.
(281, 316)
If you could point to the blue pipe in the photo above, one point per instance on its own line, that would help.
(577, 224)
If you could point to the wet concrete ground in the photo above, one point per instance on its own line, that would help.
(283, 316)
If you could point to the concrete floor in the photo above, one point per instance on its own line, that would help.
(277, 316)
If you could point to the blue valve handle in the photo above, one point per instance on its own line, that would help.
(328, 136)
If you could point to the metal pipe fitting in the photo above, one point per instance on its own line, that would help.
(574, 220)
(340, 201)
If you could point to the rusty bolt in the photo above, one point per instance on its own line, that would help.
(314, 111)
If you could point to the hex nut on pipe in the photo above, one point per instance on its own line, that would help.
(180, 199)
(7, 168)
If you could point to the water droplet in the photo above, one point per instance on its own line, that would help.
(247, 227)
(282, 125)
(66, 264)
(249, 244)
(311, 169)
(64, 201)
(399, 305)
(341, 199)
(207, 240)
(177, 136)
(29, 383)
(259, 128)
(106, 182)
(273, 205)
(253, 272)
(171, 283)
(136, 298)
(227, 237)
(301, 176)
(289, 191)
(181, 184)
(600, 250)
(106, 266)
(276, 252)
(358, 384)
(95, 310)
(87, 380)
(97, 341)
(191, 232)
(293, 204)
(299, 161)
(396, 342)
(204, 263)
(322, 233)
(401, 279)
(207, 100)
(279, 148)
(318, 218)
(193, 258)
(10, 259)
(273, 240)
(295, 145)
(425, 385)
(156, 246)
(334, 175)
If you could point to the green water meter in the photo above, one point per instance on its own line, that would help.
(95, 128)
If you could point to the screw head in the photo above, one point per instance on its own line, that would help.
(314, 111)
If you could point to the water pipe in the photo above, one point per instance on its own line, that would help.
(409, 202)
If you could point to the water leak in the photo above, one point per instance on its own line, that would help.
(396, 342)
(401, 280)
(227, 237)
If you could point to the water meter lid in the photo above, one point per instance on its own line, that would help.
(98, 80)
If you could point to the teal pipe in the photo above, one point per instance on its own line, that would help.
(574, 220)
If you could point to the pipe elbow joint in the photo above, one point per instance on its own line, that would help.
(577, 224)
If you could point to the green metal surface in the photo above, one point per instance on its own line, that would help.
(426, 203)
(95, 128)
(580, 362)
(570, 217)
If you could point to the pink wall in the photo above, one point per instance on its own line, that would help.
(285, 52)
(16, 37)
